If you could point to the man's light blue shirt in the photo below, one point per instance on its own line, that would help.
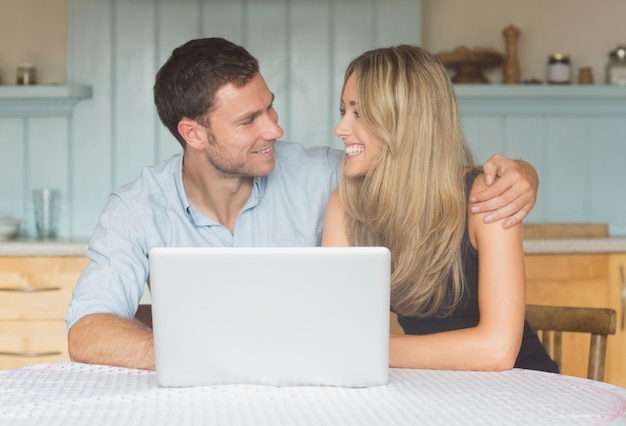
(286, 208)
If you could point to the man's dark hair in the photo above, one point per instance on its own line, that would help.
(186, 84)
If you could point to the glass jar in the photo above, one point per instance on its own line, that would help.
(26, 74)
(616, 68)
(559, 69)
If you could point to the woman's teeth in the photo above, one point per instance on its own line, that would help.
(354, 149)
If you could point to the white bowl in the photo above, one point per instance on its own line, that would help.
(8, 227)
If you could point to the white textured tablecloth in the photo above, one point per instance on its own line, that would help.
(78, 394)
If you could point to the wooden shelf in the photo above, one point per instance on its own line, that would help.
(542, 99)
(40, 100)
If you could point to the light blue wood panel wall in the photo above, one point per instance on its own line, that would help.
(13, 166)
(116, 47)
(574, 136)
(36, 149)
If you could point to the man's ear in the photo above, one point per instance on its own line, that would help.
(191, 132)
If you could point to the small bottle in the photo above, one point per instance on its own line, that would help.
(585, 75)
(616, 68)
(559, 69)
(26, 74)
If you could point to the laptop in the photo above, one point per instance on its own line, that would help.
(280, 316)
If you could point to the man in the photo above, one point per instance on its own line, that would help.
(233, 185)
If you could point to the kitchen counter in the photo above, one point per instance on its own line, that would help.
(23, 247)
(574, 245)
(531, 246)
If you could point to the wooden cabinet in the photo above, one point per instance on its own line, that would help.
(34, 294)
(581, 280)
(616, 345)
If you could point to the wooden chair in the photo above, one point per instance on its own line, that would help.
(550, 321)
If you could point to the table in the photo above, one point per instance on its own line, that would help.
(68, 393)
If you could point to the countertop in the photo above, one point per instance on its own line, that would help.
(575, 245)
(532, 246)
(26, 247)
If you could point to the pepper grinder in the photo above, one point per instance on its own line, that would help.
(511, 68)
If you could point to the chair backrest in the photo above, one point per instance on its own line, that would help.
(550, 321)
(144, 315)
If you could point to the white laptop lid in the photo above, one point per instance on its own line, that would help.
(273, 316)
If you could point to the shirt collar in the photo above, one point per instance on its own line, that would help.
(258, 189)
(177, 175)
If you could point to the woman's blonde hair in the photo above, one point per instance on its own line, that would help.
(413, 198)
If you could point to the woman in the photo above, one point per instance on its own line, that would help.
(458, 284)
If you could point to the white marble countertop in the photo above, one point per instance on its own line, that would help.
(575, 245)
(24, 247)
(78, 247)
